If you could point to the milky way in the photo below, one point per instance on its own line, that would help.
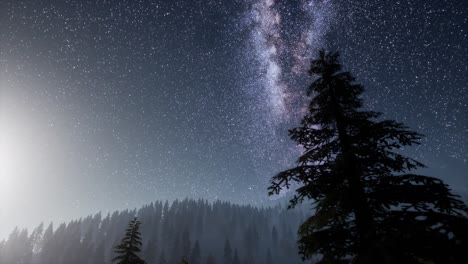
(283, 45)
(282, 38)
(112, 104)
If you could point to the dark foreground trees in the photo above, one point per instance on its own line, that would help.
(130, 245)
(369, 209)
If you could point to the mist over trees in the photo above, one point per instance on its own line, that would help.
(369, 207)
(202, 232)
(368, 204)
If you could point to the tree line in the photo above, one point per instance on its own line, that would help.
(197, 230)
(369, 203)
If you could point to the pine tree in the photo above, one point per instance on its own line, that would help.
(130, 245)
(48, 245)
(35, 239)
(368, 207)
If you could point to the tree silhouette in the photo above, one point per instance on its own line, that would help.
(92, 239)
(368, 208)
(130, 245)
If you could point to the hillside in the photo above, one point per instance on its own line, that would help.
(195, 229)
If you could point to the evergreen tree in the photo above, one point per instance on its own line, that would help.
(93, 239)
(12, 248)
(48, 245)
(369, 208)
(130, 245)
(35, 238)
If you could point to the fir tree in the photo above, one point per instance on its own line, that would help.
(93, 239)
(368, 207)
(48, 244)
(130, 245)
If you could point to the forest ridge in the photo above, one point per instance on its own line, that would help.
(195, 229)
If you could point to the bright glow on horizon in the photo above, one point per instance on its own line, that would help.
(10, 160)
(26, 156)
(15, 155)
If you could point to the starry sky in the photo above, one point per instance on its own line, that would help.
(110, 104)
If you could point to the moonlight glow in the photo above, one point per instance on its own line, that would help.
(113, 104)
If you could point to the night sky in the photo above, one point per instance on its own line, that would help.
(110, 104)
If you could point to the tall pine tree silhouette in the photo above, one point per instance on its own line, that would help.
(368, 207)
(130, 245)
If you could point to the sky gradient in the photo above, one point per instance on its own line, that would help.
(107, 105)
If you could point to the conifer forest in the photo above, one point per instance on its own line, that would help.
(194, 229)
(233, 132)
